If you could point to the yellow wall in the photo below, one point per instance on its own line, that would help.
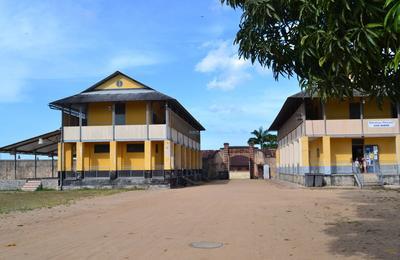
(335, 109)
(68, 150)
(127, 84)
(99, 114)
(130, 161)
(157, 155)
(341, 151)
(387, 148)
(178, 156)
(136, 113)
(372, 110)
(314, 145)
(168, 155)
(95, 161)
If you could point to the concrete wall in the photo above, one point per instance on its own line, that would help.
(11, 184)
(26, 169)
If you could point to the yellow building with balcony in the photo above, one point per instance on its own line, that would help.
(120, 129)
(348, 142)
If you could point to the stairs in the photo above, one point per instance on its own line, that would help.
(191, 181)
(371, 180)
(31, 185)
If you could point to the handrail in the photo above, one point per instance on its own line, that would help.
(379, 173)
(358, 176)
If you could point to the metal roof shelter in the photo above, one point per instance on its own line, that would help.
(45, 144)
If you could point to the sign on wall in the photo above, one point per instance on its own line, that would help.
(381, 124)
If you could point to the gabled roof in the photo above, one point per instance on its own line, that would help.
(115, 74)
(92, 95)
(290, 106)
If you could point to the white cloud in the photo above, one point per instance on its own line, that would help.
(39, 42)
(228, 70)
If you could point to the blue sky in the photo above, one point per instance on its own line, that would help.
(53, 49)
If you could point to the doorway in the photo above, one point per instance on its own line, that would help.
(366, 155)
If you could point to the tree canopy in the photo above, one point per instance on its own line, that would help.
(333, 47)
(263, 138)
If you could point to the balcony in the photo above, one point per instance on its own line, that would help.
(118, 133)
(352, 127)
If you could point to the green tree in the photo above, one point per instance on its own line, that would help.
(263, 138)
(333, 47)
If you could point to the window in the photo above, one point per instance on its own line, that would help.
(135, 148)
(313, 109)
(101, 148)
(355, 110)
(120, 114)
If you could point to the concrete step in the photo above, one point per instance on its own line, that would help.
(31, 185)
(370, 177)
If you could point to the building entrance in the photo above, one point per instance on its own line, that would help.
(365, 158)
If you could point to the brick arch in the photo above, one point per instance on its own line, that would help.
(239, 161)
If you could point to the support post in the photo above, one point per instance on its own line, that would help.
(178, 156)
(35, 165)
(79, 159)
(324, 115)
(304, 118)
(326, 153)
(398, 116)
(147, 155)
(52, 165)
(398, 153)
(148, 115)
(113, 121)
(168, 155)
(80, 123)
(60, 158)
(15, 165)
(113, 159)
(304, 155)
(362, 115)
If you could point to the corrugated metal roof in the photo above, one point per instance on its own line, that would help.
(46, 146)
(91, 95)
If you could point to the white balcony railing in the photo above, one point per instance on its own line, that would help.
(130, 132)
(157, 132)
(121, 133)
(352, 127)
(97, 133)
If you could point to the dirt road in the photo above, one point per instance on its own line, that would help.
(253, 219)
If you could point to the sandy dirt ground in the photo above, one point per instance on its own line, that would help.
(253, 219)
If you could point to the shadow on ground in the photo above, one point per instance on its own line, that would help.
(375, 232)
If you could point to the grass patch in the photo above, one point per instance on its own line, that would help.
(23, 201)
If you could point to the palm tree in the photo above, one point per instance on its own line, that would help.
(263, 138)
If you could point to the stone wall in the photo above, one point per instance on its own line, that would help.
(26, 169)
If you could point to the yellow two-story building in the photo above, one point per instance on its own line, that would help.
(120, 128)
(343, 141)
